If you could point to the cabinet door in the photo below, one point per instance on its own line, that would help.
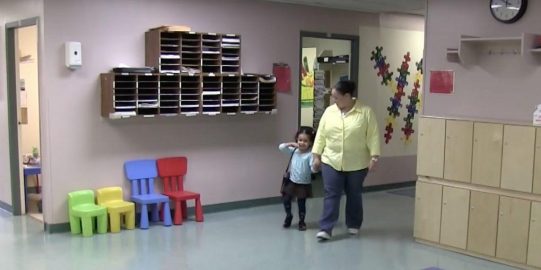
(534, 246)
(487, 154)
(513, 226)
(454, 217)
(517, 160)
(537, 165)
(458, 150)
(430, 147)
(427, 211)
(483, 224)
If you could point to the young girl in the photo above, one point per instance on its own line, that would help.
(300, 171)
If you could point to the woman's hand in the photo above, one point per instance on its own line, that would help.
(372, 164)
(316, 163)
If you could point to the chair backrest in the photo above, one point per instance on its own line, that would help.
(172, 171)
(141, 174)
(109, 194)
(80, 197)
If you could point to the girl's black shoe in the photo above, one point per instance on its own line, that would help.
(287, 221)
(302, 226)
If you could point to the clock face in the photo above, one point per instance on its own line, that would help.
(508, 11)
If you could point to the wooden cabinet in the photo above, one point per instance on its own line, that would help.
(454, 217)
(534, 243)
(487, 154)
(517, 158)
(537, 165)
(431, 142)
(458, 150)
(513, 228)
(479, 189)
(483, 223)
(427, 211)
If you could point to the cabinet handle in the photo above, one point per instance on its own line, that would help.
(472, 208)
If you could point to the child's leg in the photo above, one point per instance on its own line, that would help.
(302, 213)
(287, 207)
(302, 208)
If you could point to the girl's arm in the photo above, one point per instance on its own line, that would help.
(287, 147)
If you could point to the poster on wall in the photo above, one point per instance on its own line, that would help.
(442, 81)
(283, 77)
(307, 76)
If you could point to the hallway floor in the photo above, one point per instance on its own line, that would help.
(250, 238)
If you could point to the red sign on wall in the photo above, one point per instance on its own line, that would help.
(442, 81)
(283, 77)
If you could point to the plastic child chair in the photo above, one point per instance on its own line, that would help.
(111, 197)
(141, 174)
(172, 171)
(82, 210)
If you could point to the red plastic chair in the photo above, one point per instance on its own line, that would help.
(172, 171)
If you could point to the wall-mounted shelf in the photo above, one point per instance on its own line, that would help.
(151, 94)
(471, 47)
(198, 73)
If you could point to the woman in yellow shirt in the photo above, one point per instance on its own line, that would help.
(346, 148)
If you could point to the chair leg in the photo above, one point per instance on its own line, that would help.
(130, 218)
(198, 211)
(114, 220)
(143, 223)
(87, 226)
(184, 210)
(155, 213)
(178, 213)
(75, 224)
(166, 214)
(102, 222)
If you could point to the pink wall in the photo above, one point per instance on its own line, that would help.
(497, 87)
(231, 158)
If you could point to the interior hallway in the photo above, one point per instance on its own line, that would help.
(250, 238)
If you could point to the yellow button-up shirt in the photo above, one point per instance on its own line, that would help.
(346, 142)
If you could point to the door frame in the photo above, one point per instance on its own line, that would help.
(353, 59)
(13, 122)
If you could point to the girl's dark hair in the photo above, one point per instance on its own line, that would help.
(346, 87)
(308, 131)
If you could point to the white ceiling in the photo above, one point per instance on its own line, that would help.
(377, 6)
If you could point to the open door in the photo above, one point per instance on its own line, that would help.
(23, 117)
(325, 60)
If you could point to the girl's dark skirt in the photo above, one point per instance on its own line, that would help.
(300, 191)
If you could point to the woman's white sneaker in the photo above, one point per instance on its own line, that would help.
(323, 235)
(353, 231)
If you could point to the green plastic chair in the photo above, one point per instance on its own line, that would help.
(82, 210)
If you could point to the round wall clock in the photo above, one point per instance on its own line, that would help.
(508, 11)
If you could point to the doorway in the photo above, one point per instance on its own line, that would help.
(23, 117)
(325, 60)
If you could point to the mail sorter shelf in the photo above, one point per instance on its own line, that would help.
(126, 95)
(191, 52)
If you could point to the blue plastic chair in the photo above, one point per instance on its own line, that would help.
(141, 174)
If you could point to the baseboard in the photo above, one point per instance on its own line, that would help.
(221, 207)
(6, 206)
(389, 186)
(57, 227)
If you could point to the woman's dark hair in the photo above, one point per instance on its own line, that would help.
(309, 131)
(346, 87)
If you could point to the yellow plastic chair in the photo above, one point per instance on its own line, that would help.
(82, 210)
(111, 197)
